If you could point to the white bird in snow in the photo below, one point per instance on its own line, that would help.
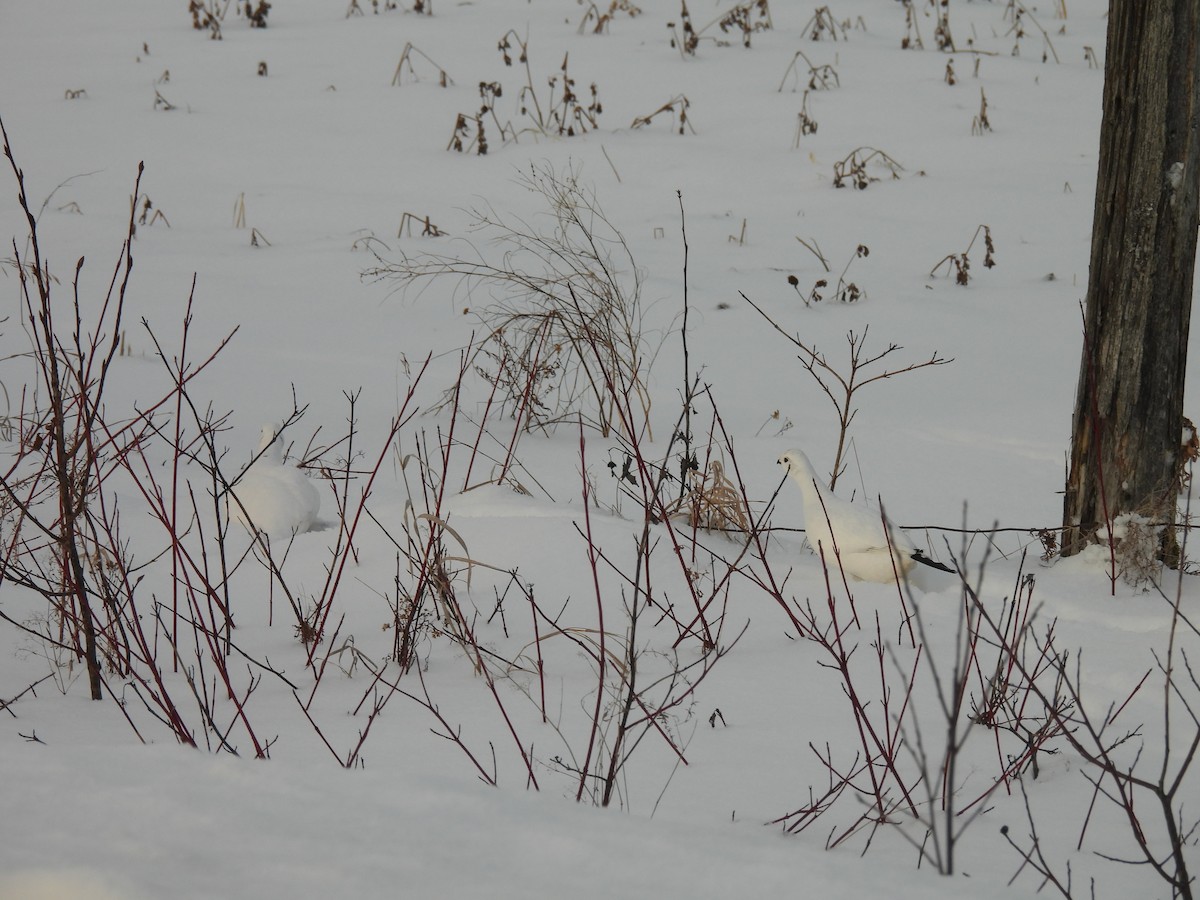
(272, 497)
(855, 529)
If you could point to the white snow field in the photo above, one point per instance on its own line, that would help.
(510, 610)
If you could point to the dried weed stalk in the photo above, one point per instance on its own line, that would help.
(684, 38)
(461, 138)
(853, 168)
(597, 22)
(960, 263)
(428, 229)
(745, 19)
(207, 15)
(565, 113)
(820, 78)
(942, 35)
(1017, 12)
(677, 108)
(980, 124)
(561, 111)
(912, 31)
(257, 14)
(405, 65)
(742, 19)
(845, 292)
(823, 24)
(805, 124)
(420, 7)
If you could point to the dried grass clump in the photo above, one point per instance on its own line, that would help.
(712, 502)
(563, 323)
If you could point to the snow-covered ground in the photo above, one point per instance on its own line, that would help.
(284, 162)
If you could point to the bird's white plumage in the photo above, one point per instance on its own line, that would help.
(855, 530)
(273, 497)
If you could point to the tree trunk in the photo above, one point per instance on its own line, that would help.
(1127, 428)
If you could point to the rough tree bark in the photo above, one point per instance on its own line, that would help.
(1125, 440)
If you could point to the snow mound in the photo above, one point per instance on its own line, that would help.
(502, 502)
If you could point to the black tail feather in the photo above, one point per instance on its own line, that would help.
(926, 561)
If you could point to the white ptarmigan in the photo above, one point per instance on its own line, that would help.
(272, 497)
(855, 529)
